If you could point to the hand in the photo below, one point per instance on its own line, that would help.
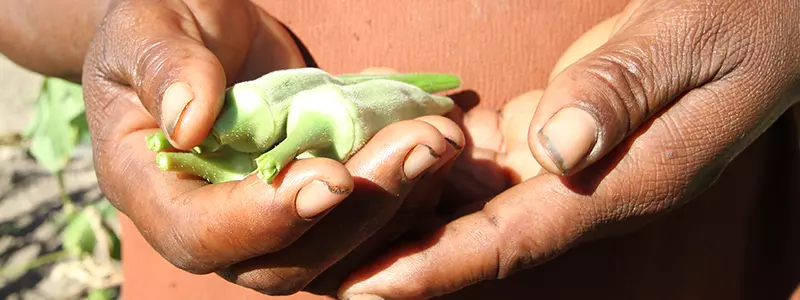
(164, 65)
(641, 125)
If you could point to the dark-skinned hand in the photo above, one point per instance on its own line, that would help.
(637, 127)
(164, 65)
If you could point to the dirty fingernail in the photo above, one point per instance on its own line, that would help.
(420, 159)
(176, 97)
(569, 137)
(365, 297)
(317, 197)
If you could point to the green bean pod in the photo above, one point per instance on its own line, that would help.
(307, 113)
(254, 114)
(335, 121)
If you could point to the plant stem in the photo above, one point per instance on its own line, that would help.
(14, 139)
(38, 262)
(314, 131)
(158, 142)
(66, 201)
(428, 82)
(216, 167)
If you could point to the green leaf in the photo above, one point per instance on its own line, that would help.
(58, 125)
(115, 249)
(82, 125)
(78, 237)
(102, 294)
(109, 213)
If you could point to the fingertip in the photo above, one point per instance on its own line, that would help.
(317, 185)
(276, 214)
(516, 117)
(451, 132)
(565, 141)
(192, 99)
(399, 154)
(194, 124)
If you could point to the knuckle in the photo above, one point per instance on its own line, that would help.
(628, 91)
(516, 253)
(123, 31)
(152, 58)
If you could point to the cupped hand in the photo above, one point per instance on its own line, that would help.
(642, 124)
(163, 65)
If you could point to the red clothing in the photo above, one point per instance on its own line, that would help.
(740, 240)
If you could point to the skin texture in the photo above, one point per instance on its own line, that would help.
(658, 93)
(21, 41)
(154, 65)
(649, 173)
(203, 228)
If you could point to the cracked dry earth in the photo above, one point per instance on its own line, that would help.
(29, 200)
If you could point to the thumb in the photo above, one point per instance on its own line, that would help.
(598, 101)
(179, 59)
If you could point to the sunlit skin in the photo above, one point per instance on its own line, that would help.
(628, 128)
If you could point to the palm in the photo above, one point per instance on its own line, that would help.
(496, 155)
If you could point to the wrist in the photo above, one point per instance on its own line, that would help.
(50, 39)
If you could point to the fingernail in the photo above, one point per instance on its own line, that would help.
(176, 97)
(420, 159)
(365, 297)
(317, 197)
(568, 137)
(453, 143)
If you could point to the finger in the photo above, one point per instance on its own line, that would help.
(155, 50)
(585, 44)
(515, 118)
(598, 101)
(178, 67)
(195, 226)
(435, 265)
(202, 228)
(452, 134)
(416, 213)
(383, 171)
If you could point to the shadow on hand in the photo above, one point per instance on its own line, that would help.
(587, 180)
(470, 184)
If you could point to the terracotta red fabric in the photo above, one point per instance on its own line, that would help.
(740, 240)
